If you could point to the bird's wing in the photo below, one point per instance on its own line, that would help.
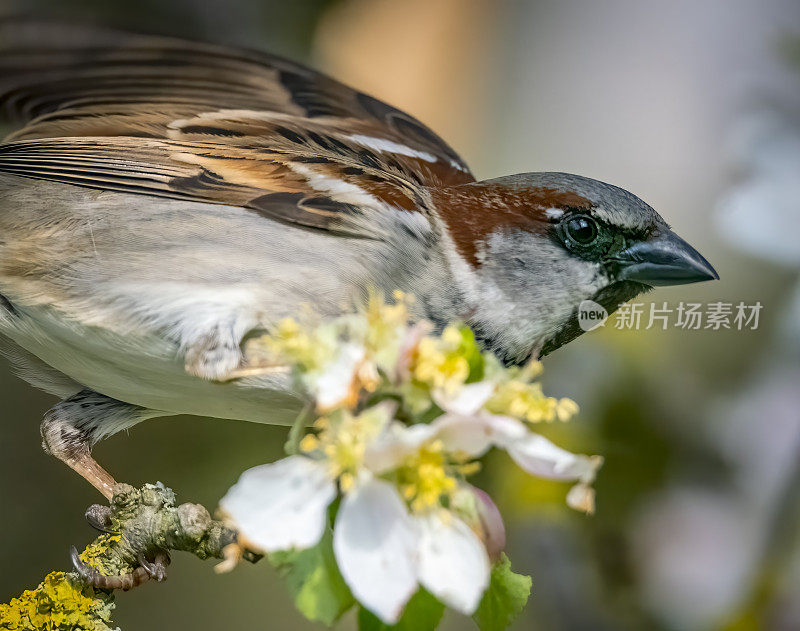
(294, 184)
(172, 118)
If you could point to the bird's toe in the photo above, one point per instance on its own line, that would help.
(99, 518)
(147, 569)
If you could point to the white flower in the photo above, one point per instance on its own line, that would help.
(299, 491)
(475, 435)
(383, 551)
(407, 517)
(468, 428)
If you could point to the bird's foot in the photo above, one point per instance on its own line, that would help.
(255, 370)
(256, 361)
(132, 549)
(146, 570)
(139, 528)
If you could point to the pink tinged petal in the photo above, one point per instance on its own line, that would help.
(375, 547)
(394, 445)
(491, 521)
(281, 505)
(538, 456)
(334, 385)
(410, 342)
(453, 564)
(467, 400)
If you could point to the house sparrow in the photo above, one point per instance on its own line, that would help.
(165, 199)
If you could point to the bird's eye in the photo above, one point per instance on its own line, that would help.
(582, 230)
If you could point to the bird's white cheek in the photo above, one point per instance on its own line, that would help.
(578, 281)
(593, 278)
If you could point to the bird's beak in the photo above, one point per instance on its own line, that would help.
(664, 259)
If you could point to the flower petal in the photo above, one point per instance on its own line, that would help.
(394, 445)
(334, 385)
(453, 563)
(473, 435)
(281, 505)
(466, 400)
(537, 455)
(375, 547)
(407, 347)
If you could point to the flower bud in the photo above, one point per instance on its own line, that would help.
(481, 514)
(581, 498)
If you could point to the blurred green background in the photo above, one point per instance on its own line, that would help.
(695, 107)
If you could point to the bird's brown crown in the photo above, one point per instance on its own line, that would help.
(472, 212)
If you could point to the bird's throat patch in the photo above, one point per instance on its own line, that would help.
(610, 298)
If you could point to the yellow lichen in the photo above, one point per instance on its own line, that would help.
(60, 602)
(97, 554)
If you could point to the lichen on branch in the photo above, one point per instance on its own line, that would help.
(141, 523)
(61, 601)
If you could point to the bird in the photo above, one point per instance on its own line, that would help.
(163, 200)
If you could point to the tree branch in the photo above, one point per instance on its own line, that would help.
(143, 525)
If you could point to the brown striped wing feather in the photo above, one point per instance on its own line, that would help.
(171, 118)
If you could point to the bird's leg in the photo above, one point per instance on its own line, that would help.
(69, 430)
(72, 426)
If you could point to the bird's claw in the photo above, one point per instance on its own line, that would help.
(254, 370)
(99, 518)
(156, 569)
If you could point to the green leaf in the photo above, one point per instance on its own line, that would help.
(504, 599)
(423, 613)
(318, 589)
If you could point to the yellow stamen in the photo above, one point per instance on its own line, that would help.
(468, 469)
(309, 443)
(425, 477)
(527, 401)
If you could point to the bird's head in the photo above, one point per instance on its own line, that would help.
(538, 244)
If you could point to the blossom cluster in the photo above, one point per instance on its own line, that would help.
(401, 417)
